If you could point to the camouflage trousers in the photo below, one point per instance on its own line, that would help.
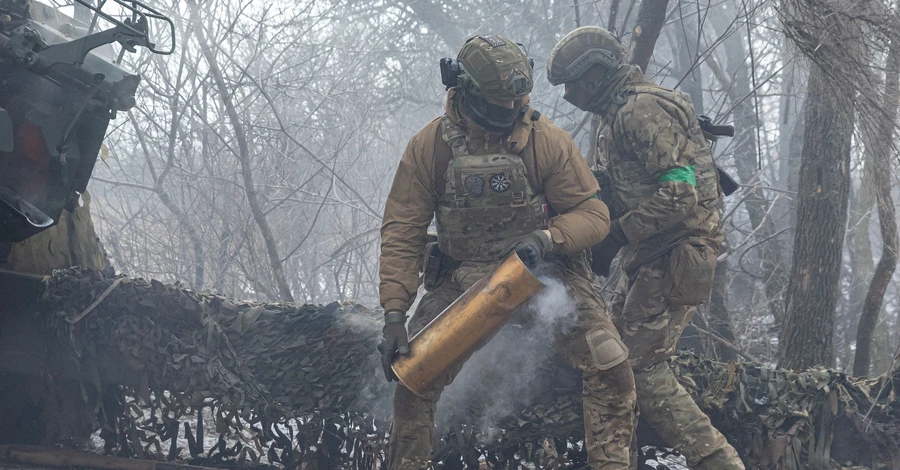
(650, 328)
(609, 397)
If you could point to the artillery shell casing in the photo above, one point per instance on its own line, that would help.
(469, 322)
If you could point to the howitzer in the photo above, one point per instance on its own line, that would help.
(57, 99)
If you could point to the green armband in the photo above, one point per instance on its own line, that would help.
(684, 174)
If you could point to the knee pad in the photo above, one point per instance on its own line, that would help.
(607, 349)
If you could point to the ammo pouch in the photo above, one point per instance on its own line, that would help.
(689, 275)
(431, 268)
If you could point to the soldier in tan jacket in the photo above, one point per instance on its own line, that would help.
(664, 188)
(498, 177)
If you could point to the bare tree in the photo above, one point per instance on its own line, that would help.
(887, 216)
(806, 339)
(737, 85)
(293, 116)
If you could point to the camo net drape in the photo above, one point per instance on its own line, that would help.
(301, 386)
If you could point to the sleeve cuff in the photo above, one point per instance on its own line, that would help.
(556, 236)
(395, 304)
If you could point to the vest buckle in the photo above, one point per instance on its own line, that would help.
(518, 199)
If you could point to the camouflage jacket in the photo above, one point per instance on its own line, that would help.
(665, 184)
(554, 167)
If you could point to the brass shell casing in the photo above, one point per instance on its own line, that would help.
(469, 322)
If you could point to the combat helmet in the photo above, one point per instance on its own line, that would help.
(490, 68)
(582, 49)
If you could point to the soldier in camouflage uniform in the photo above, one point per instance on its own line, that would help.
(664, 190)
(498, 177)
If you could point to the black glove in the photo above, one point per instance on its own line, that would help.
(394, 340)
(603, 253)
(531, 248)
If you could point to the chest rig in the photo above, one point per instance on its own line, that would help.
(629, 176)
(487, 200)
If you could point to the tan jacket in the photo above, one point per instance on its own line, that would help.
(554, 167)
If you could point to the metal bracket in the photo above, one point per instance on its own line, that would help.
(518, 199)
(137, 25)
(129, 33)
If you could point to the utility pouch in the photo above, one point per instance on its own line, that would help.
(431, 270)
(689, 276)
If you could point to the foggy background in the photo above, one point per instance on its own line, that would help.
(258, 157)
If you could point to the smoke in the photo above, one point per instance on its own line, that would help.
(553, 306)
(375, 393)
(507, 374)
(366, 322)
(511, 371)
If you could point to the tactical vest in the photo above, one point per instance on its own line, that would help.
(487, 201)
(633, 182)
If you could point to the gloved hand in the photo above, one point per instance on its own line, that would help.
(394, 340)
(531, 247)
(603, 253)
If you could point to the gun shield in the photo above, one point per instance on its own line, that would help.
(467, 324)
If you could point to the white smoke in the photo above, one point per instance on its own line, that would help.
(513, 366)
(510, 369)
(553, 306)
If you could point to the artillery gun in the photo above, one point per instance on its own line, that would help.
(57, 97)
(62, 81)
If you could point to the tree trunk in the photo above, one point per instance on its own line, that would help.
(650, 20)
(806, 340)
(790, 146)
(259, 215)
(613, 16)
(860, 217)
(719, 317)
(887, 217)
(746, 154)
(686, 45)
(859, 250)
(883, 350)
(795, 154)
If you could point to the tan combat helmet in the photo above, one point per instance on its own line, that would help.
(492, 70)
(580, 50)
(495, 67)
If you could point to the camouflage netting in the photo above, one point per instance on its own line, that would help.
(302, 384)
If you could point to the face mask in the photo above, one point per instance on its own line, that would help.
(491, 117)
(501, 114)
(578, 95)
